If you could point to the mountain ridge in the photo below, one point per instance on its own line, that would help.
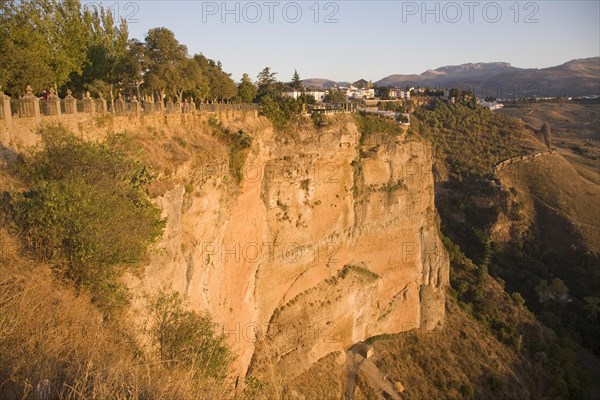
(577, 77)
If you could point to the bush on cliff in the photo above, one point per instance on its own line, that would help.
(86, 212)
(186, 339)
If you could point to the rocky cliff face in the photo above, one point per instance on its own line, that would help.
(326, 241)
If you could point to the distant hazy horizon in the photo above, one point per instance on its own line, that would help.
(349, 40)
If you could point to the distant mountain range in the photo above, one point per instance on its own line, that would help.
(499, 79)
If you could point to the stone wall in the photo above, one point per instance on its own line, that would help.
(92, 118)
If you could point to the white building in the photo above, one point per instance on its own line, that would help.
(316, 94)
(355, 93)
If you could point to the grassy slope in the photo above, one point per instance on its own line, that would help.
(575, 131)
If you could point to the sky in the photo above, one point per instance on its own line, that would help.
(350, 40)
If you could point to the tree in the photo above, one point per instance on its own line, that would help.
(296, 82)
(335, 95)
(108, 48)
(267, 83)
(246, 89)
(191, 77)
(165, 59)
(455, 92)
(546, 133)
(556, 292)
(221, 85)
(215, 84)
(128, 70)
(592, 306)
(270, 109)
(43, 43)
(384, 93)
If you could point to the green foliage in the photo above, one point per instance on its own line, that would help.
(84, 48)
(296, 82)
(279, 109)
(167, 64)
(467, 392)
(556, 292)
(359, 270)
(335, 95)
(396, 106)
(469, 140)
(238, 143)
(186, 338)
(87, 211)
(267, 84)
(453, 250)
(43, 43)
(318, 120)
(592, 306)
(518, 299)
(215, 84)
(370, 125)
(246, 89)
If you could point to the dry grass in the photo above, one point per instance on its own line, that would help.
(173, 153)
(575, 131)
(48, 332)
(555, 185)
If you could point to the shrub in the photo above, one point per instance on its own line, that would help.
(271, 109)
(518, 299)
(467, 391)
(318, 120)
(184, 338)
(86, 211)
(369, 125)
(238, 143)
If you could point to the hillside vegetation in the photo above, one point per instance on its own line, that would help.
(469, 139)
(535, 229)
(78, 218)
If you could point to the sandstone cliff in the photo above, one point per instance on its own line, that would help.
(327, 240)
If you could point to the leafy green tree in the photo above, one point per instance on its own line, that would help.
(43, 43)
(191, 77)
(455, 92)
(165, 59)
(185, 338)
(246, 89)
(384, 93)
(108, 47)
(221, 85)
(216, 84)
(129, 67)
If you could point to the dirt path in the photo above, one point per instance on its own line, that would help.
(357, 364)
(351, 369)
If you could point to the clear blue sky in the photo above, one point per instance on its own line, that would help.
(371, 39)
